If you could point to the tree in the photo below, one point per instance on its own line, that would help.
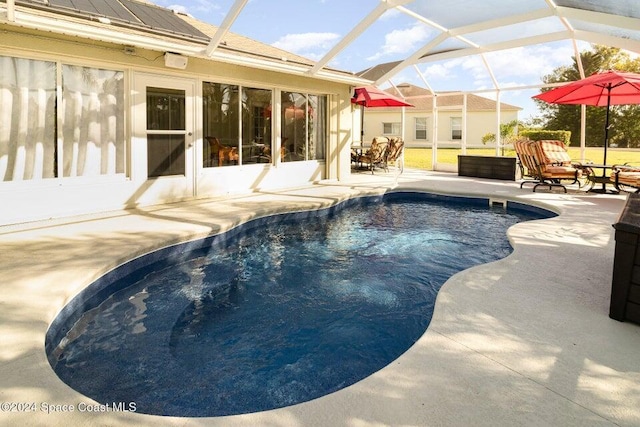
(624, 130)
(508, 132)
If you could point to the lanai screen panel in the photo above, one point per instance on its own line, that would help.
(459, 13)
(629, 8)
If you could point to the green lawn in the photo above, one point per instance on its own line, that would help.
(420, 158)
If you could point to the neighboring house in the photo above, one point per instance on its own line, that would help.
(419, 122)
(128, 104)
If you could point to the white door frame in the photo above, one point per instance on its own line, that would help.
(169, 187)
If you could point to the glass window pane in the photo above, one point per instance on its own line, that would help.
(165, 155)
(317, 117)
(165, 150)
(421, 128)
(394, 129)
(27, 119)
(92, 119)
(256, 126)
(294, 126)
(221, 120)
(165, 109)
(456, 128)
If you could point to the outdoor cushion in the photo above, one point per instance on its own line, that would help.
(627, 177)
(552, 158)
(554, 152)
(525, 154)
(561, 170)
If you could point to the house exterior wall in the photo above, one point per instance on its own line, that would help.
(35, 199)
(479, 123)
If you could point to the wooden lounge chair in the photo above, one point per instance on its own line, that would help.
(550, 164)
(376, 155)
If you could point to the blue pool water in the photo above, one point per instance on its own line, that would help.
(279, 314)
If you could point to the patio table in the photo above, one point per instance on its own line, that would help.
(603, 178)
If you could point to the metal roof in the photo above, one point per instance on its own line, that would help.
(130, 13)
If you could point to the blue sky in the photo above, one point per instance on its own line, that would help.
(311, 28)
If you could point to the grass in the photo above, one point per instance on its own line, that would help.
(420, 158)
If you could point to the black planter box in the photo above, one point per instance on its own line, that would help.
(491, 167)
(625, 286)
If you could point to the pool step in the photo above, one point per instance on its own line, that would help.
(497, 202)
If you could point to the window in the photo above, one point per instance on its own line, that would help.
(392, 129)
(27, 119)
(317, 127)
(304, 126)
(421, 128)
(88, 117)
(92, 120)
(256, 125)
(165, 112)
(229, 108)
(221, 120)
(236, 125)
(456, 127)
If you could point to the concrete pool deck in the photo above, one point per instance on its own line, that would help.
(522, 341)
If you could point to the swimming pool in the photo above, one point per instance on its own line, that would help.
(279, 311)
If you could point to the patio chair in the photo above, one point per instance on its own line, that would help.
(394, 154)
(626, 178)
(376, 155)
(526, 162)
(222, 152)
(552, 164)
(555, 153)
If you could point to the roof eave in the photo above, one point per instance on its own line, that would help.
(93, 32)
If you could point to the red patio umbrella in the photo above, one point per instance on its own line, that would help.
(371, 96)
(600, 89)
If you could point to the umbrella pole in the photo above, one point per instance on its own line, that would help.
(606, 142)
(606, 127)
(361, 125)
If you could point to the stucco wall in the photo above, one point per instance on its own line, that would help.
(48, 198)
